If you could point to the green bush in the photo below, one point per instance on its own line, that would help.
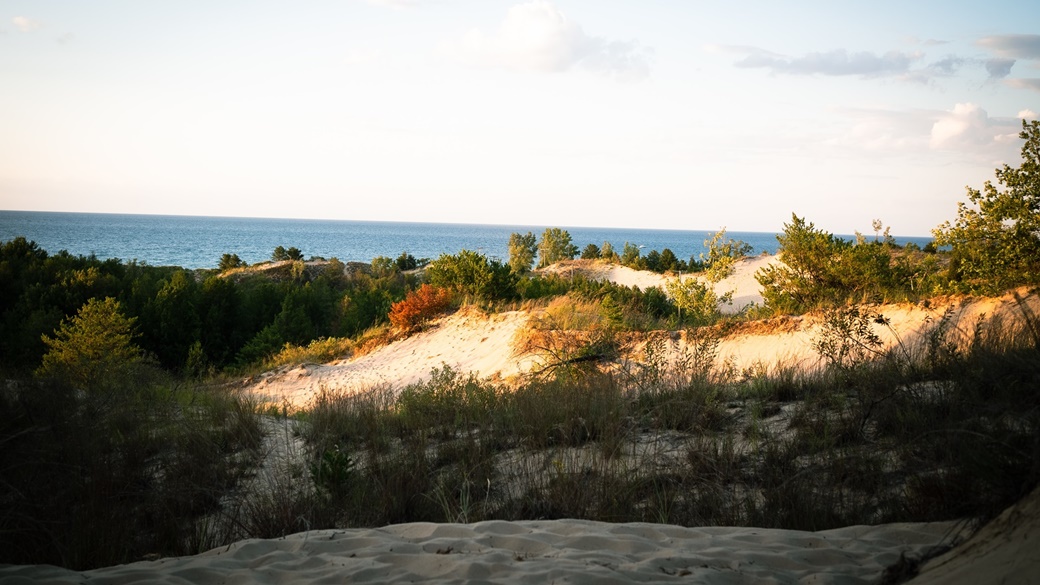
(474, 275)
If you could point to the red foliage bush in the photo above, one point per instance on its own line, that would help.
(419, 306)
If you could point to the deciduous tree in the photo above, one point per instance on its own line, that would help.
(522, 250)
(995, 240)
(555, 246)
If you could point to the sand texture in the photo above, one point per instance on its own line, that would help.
(561, 551)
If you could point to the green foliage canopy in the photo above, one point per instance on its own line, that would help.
(995, 240)
(722, 255)
(473, 274)
(522, 249)
(94, 349)
(555, 246)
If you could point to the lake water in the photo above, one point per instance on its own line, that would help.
(199, 242)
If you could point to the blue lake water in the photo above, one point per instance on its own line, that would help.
(199, 242)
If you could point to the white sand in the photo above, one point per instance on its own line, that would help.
(1007, 550)
(746, 290)
(467, 341)
(536, 552)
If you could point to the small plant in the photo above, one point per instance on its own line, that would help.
(848, 336)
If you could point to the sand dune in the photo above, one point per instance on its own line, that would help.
(470, 341)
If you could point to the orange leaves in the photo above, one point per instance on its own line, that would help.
(419, 306)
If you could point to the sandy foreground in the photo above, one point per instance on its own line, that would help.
(576, 551)
(559, 551)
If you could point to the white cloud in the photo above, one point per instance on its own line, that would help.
(26, 24)
(885, 132)
(966, 130)
(968, 126)
(537, 37)
(1027, 114)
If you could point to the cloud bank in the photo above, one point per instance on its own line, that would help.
(537, 37)
(833, 63)
(966, 129)
(1013, 46)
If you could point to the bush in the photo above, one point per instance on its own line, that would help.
(820, 270)
(419, 306)
(472, 274)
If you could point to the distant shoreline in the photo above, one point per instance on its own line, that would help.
(194, 242)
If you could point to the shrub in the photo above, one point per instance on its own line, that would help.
(470, 273)
(697, 302)
(419, 306)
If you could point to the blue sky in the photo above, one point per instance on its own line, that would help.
(643, 114)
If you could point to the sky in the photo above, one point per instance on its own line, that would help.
(672, 114)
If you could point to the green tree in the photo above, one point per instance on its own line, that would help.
(229, 261)
(281, 253)
(630, 255)
(807, 277)
(995, 240)
(722, 255)
(591, 252)
(176, 319)
(652, 261)
(383, 266)
(406, 262)
(94, 349)
(607, 253)
(555, 246)
(669, 261)
(522, 249)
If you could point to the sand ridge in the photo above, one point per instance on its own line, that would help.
(467, 341)
(471, 341)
